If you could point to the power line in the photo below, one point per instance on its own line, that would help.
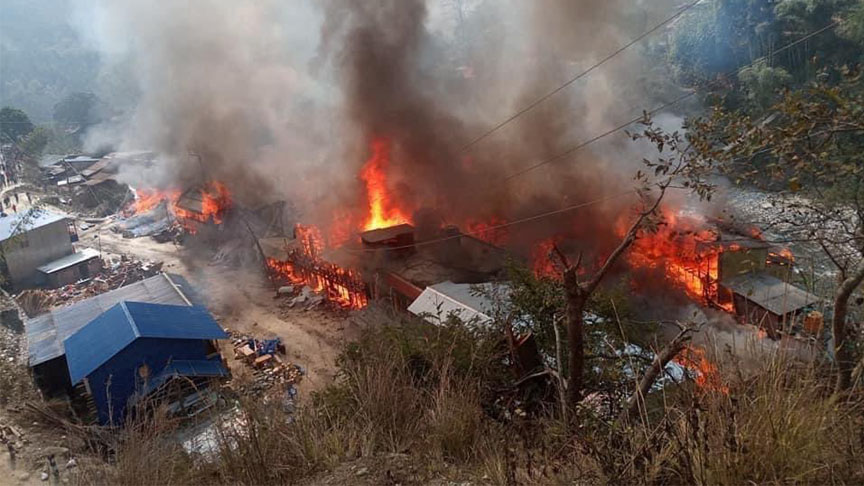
(662, 107)
(578, 147)
(502, 225)
(579, 76)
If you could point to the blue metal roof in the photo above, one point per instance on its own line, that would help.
(26, 221)
(46, 333)
(105, 336)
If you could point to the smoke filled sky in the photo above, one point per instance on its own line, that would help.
(283, 99)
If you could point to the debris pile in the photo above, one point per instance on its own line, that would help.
(10, 345)
(269, 369)
(302, 296)
(113, 276)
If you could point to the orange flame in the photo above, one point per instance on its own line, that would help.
(382, 210)
(488, 231)
(306, 267)
(707, 376)
(678, 247)
(215, 202)
(147, 199)
(541, 261)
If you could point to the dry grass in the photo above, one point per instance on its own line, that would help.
(428, 400)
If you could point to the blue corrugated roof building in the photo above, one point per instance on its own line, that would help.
(134, 348)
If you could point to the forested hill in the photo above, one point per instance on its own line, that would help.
(42, 58)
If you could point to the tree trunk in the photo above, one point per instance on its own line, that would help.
(662, 358)
(576, 301)
(842, 346)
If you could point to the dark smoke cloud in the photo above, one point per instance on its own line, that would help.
(283, 101)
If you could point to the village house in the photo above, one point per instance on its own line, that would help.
(135, 350)
(127, 344)
(30, 240)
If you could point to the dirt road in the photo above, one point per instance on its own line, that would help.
(243, 300)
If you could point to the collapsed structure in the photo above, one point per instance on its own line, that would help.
(387, 264)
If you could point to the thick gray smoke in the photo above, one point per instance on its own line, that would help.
(221, 79)
(283, 101)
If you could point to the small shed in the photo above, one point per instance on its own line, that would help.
(134, 349)
(767, 301)
(71, 268)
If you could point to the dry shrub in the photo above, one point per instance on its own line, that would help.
(143, 453)
(428, 396)
(782, 426)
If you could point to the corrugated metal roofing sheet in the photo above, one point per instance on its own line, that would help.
(185, 368)
(105, 336)
(69, 260)
(22, 222)
(97, 342)
(46, 333)
(440, 301)
(770, 292)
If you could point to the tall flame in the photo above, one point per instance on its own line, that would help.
(678, 247)
(383, 212)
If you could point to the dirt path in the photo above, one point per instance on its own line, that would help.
(243, 300)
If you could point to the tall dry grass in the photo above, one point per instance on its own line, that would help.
(428, 397)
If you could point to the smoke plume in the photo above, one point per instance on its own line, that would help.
(283, 101)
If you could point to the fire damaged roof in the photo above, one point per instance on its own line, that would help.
(462, 260)
(384, 235)
(770, 293)
(46, 333)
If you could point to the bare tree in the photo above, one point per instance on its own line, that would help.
(678, 169)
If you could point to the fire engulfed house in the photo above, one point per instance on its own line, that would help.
(745, 276)
(32, 240)
(388, 264)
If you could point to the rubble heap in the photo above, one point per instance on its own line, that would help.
(269, 369)
(113, 276)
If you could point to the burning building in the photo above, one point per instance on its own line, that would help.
(723, 266)
(388, 264)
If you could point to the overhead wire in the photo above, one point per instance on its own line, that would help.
(655, 110)
(579, 76)
(495, 227)
(578, 147)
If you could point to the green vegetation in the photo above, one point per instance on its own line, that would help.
(14, 125)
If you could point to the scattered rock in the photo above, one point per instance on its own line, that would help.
(72, 463)
(44, 476)
(362, 471)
